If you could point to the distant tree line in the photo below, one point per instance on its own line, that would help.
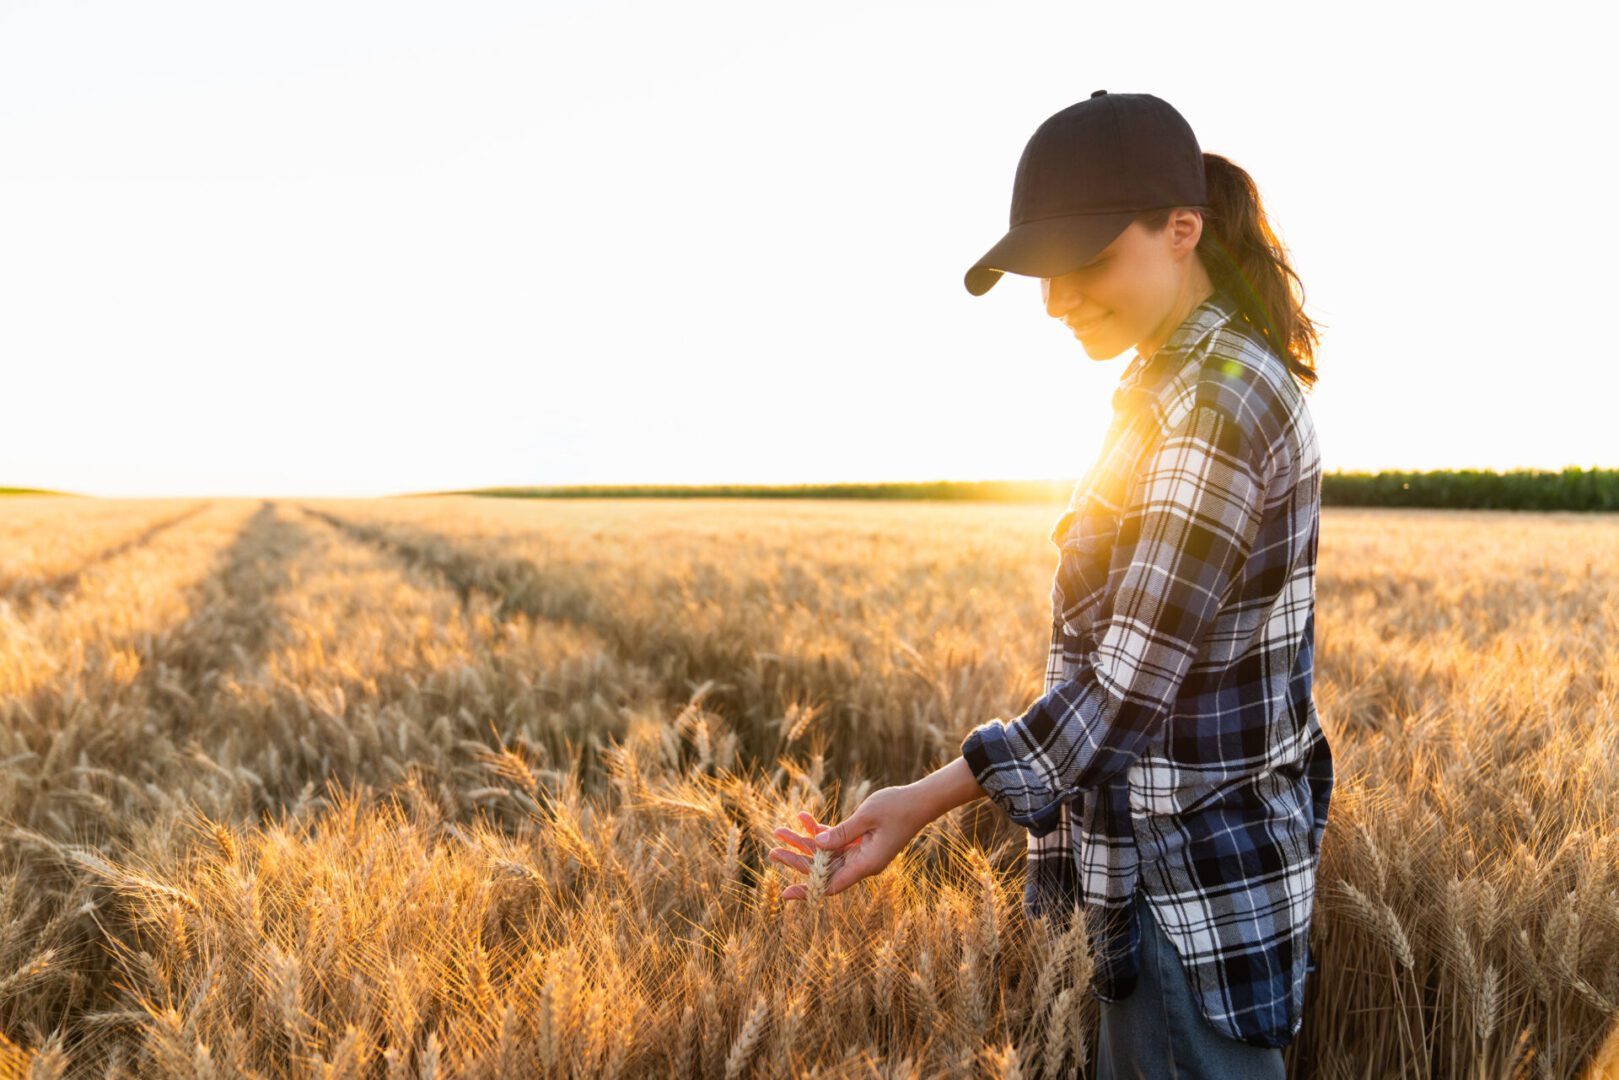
(1476, 489)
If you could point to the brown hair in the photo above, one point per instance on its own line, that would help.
(1242, 255)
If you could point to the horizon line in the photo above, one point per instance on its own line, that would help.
(627, 486)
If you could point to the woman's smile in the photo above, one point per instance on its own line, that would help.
(1086, 327)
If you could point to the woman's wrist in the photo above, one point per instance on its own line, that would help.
(945, 788)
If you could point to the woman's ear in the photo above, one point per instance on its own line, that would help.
(1185, 228)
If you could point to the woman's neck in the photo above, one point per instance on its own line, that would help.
(1198, 288)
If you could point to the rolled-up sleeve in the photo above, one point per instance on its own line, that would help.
(1188, 524)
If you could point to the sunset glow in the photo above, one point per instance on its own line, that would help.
(359, 249)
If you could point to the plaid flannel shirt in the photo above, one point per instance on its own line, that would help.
(1177, 741)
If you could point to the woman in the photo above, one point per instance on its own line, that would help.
(1173, 777)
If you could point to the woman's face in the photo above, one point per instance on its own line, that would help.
(1128, 294)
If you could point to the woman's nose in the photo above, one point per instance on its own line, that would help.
(1059, 299)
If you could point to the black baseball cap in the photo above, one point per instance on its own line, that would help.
(1084, 176)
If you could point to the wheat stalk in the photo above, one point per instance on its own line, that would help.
(800, 717)
(429, 1061)
(1459, 949)
(1057, 1032)
(815, 886)
(733, 854)
(924, 984)
(1054, 969)
(988, 922)
(1489, 1003)
(39, 965)
(227, 843)
(747, 1039)
(886, 970)
(686, 1046)
(787, 1031)
(971, 980)
(1374, 854)
(1380, 919)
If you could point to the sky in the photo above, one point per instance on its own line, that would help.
(334, 248)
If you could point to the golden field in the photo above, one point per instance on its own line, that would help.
(473, 787)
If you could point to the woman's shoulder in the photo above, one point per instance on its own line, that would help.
(1239, 376)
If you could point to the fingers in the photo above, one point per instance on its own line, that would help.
(836, 884)
(836, 837)
(790, 859)
(838, 875)
(787, 835)
(802, 862)
(803, 841)
(850, 870)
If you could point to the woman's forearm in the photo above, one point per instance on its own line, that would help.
(946, 788)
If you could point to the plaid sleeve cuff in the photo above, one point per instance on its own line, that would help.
(1009, 780)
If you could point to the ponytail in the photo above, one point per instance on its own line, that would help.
(1242, 255)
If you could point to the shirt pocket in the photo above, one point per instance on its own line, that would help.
(1162, 786)
(1085, 537)
(1153, 782)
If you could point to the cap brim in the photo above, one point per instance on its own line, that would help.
(1048, 248)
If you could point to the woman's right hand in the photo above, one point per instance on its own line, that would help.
(865, 842)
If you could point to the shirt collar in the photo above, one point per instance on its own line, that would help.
(1142, 372)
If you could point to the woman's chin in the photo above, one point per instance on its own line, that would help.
(1098, 349)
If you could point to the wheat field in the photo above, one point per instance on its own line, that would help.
(472, 787)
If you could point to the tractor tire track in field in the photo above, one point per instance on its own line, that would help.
(516, 584)
(98, 771)
(230, 621)
(732, 679)
(234, 617)
(59, 587)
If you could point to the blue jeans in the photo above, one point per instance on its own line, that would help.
(1159, 1032)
